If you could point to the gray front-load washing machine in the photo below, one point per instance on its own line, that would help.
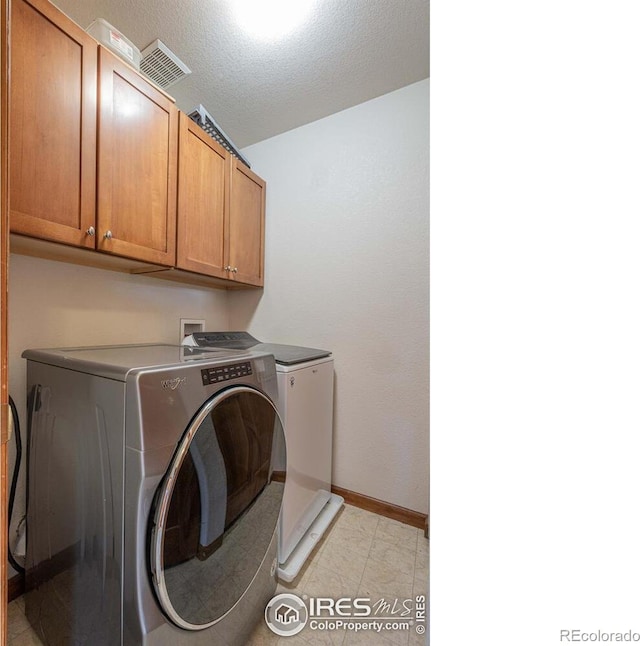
(152, 503)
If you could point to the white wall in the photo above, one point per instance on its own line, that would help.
(347, 269)
(54, 304)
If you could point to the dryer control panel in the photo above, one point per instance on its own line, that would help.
(217, 374)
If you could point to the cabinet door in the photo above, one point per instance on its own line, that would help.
(245, 231)
(137, 165)
(52, 129)
(203, 198)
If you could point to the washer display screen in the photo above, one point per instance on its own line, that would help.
(217, 508)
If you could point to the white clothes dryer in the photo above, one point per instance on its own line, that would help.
(305, 403)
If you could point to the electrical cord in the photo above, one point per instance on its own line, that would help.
(14, 480)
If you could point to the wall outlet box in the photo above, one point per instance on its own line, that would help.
(190, 326)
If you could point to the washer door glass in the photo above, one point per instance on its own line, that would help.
(217, 508)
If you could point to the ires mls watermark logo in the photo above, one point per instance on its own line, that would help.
(288, 614)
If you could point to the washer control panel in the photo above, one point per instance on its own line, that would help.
(217, 374)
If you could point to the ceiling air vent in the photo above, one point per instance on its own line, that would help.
(161, 65)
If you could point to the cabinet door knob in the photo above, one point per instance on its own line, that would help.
(91, 231)
(227, 268)
(235, 270)
(108, 235)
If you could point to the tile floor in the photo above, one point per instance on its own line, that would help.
(362, 554)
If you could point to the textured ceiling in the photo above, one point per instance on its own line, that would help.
(349, 51)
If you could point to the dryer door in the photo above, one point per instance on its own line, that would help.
(217, 508)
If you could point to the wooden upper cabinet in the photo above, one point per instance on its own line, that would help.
(137, 165)
(52, 127)
(244, 238)
(203, 201)
(95, 151)
(220, 210)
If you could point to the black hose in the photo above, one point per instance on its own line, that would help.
(14, 480)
